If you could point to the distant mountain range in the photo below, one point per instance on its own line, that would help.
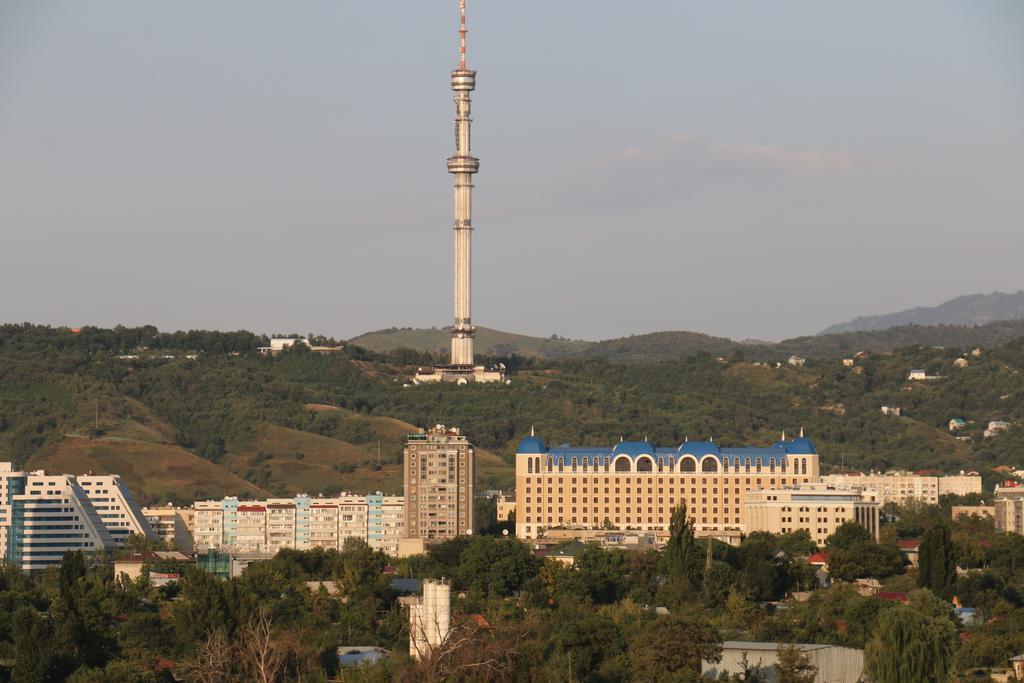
(972, 309)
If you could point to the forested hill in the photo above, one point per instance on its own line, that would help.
(972, 309)
(657, 346)
(216, 418)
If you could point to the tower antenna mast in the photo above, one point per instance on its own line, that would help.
(462, 35)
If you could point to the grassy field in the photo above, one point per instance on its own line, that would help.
(154, 472)
(487, 341)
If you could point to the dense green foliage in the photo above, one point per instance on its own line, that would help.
(540, 619)
(55, 382)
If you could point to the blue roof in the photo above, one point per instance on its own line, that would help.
(777, 452)
(699, 448)
(532, 445)
(633, 448)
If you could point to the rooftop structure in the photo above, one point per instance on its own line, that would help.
(835, 664)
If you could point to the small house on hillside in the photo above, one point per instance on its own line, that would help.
(957, 423)
(796, 361)
(960, 363)
(996, 427)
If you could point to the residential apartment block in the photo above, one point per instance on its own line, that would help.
(439, 469)
(635, 485)
(172, 525)
(819, 508)
(900, 487)
(43, 516)
(1009, 504)
(116, 506)
(302, 522)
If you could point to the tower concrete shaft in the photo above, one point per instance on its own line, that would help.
(463, 165)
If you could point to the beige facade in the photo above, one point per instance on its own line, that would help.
(439, 469)
(818, 508)
(1009, 504)
(635, 485)
(172, 525)
(506, 505)
(901, 487)
(115, 505)
(302, 522)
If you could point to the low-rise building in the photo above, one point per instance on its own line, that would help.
(957, 423)
(996, 427)
(818, 508)
(901, 487)
(506, 505)
(834, 664)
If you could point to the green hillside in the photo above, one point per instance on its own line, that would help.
(488, 342)
(305, 422)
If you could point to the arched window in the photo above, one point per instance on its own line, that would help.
(687, 464)
(709, 465)
(771, 465)
(574, 463)
(551, 463)
(759, 465)
(747, 462)
(607, 461)
(622, 464)
(644, 465)
(529, 465)
(803, 465)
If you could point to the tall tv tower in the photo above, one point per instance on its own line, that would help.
(463, 165)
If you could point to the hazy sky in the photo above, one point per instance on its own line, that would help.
(744, 169)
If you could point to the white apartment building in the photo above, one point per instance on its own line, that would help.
(818, 508)
(116, 506)
(302, 522)
(900, 487)
(43, 516)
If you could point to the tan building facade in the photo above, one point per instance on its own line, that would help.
(902, 487)
(1009, 504)
(439, 466)
(635, 485)
(172, 525)
(818, 508)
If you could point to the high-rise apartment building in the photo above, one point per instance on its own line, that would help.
(43, 516)
(439, 469)
(116, 506)
(635, 485)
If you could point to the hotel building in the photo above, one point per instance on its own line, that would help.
(636, 485)
(439, 469)
(819, 508)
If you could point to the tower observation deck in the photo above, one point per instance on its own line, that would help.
(463, 165)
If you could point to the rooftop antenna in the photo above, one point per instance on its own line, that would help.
(462, 35)
(801, 431)
(532, 432)
(783, 434)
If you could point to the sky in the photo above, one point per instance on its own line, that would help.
(751, 170)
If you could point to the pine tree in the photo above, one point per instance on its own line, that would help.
(794, 666)
(937, 562)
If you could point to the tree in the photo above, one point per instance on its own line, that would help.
(864, 559)
(847, 535)
(937, 561)
(672, 648)
(682, 559)
(910, 646)
(794, 666)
